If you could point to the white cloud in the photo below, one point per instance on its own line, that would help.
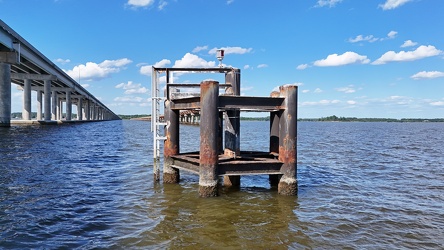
(318, 90)
(393, 4)
(200, 48)
(361, 38)
(321, 102)
(344, 59)
(93, 71)
(162, 5)
(147, 69)
(438, 103)
(370, 38)
(231, 50)
(302, 66)
(305, 91)
(140, 3)
(262, 66)
(329, 3)
(408, 43)
(247, 67)
(85, 85)
(230, 1)
(427, 74)
(129, 99)
(347, 90)
(351, 102)
(192, 61)
(131, 88)
(392, 34)
(421, 52)
(62, 61)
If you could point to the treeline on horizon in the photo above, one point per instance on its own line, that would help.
(333, 118)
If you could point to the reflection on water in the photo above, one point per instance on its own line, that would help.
(361, 185)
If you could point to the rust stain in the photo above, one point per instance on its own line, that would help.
(208, 154)
(287, 151)
(170, 148)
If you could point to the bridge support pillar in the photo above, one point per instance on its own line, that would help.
(93, 112)
(54, 104)
(5, 94)
(80, 109)
(59, 108)
(26, 112)
(209, 123)
(68, 105)
(47, 100)
(288, 141)
(87, 110)
(39, 105)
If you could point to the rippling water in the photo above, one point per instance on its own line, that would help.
(89, 186)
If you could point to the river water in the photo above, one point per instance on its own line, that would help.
(90, 186)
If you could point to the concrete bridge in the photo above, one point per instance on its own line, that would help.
(25, 66)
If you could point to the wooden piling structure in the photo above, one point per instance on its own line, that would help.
(220, 122)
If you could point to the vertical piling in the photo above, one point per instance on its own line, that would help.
(171, 145)
(274, 143)
(208, 176)
(232, 125)
(232, 117)
(288, 141)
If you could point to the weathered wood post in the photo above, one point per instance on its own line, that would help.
(288, 141)
(209, 114)
(232, 125)
(171, 145)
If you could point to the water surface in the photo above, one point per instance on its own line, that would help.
(88, 186)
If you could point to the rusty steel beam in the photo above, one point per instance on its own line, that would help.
(189, 85)
(209, 114)
(233, 102)
(288, 141)
(216, 70)
(251, 103)
(171, 145)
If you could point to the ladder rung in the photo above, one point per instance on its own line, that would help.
(161, 123)
(161, 138)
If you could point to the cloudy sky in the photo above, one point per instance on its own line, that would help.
(354, 58)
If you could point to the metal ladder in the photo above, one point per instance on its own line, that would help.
(156, 124)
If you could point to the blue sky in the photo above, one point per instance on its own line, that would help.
(354, 58)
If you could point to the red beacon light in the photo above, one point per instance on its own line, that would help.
(220, 56)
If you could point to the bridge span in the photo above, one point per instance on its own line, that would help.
(30, 70)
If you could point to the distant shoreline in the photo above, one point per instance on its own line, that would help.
(333, 118)
(322, 119)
